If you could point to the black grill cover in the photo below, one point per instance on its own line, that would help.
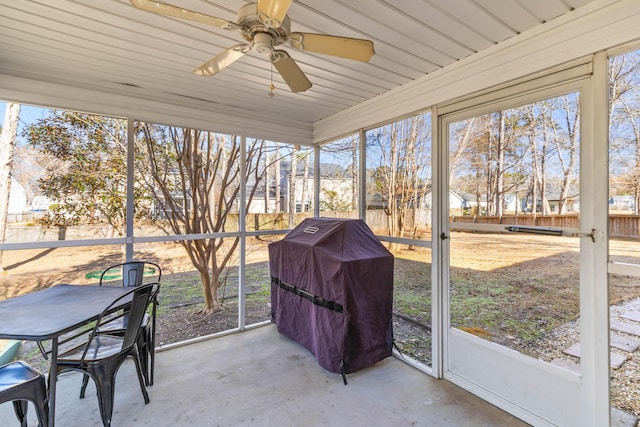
(332, 292)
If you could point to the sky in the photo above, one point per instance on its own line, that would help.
(28, 115)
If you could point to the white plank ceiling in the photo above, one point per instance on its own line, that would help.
(109, 46)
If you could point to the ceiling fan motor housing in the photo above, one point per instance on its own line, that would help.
(255, 31)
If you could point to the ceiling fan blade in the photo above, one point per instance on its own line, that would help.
(272, 12)
(222, 60)
(178, 12)
(290, 72)
(344, 47)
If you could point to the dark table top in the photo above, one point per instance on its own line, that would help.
(53, 311)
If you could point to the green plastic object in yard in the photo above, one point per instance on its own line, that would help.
(116, 274)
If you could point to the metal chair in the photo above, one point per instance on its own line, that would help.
(132, 273)
(20, 383)
(101, 355)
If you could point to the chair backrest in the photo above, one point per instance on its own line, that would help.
(132, 273)
(135, 315)
(140, 297)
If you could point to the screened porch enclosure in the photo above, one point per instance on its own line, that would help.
(492, 150)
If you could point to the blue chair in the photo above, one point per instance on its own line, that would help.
(20, 383)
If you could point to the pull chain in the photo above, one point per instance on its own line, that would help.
(271, 87)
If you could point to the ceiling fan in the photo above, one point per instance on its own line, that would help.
(265, 25)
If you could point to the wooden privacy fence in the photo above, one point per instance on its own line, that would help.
(620, 225)
(547, 221)
(624, 225)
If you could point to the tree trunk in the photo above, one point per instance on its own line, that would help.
(633, 115)
(534, 178)
(354, 174)
(7, 148)
(210, 292)
(572, 140)
(267, 186)
(490, 196)
(544, 203)
(278, 196)
(292, 189)
(305, 178)
(502, 143)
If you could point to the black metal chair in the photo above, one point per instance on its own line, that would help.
(101, 355)
(132, 273)
(20, 383)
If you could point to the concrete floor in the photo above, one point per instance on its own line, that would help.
(261, 378)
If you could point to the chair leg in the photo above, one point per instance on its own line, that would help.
(142, 352)
(145, 395)
(149, 356)
(152, 344)
(83, 388)
(152, 360)
(42, 404)
(104, 378)
(20, 407)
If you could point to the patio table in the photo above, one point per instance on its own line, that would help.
(49, 313)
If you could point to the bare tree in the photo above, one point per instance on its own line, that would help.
(535, 116)
(305, 179)
(267, 183)
(292, 187)
(403, 177)
(567, 142)
(278, 179)
(472, 158)
(489, 156)
(7, 150)
(354, 171)
(624, 122)
(195, 179)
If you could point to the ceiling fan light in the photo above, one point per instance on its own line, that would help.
(263, 42)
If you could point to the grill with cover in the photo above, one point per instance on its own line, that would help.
(332, 292)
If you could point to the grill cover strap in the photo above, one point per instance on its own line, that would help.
(317, 300)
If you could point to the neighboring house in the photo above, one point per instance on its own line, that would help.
(514, 203)
(571, 204)
(335, 188)
(624, 203)
(376, 202)
(20, 203)
(18, 198)
(458, 203)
